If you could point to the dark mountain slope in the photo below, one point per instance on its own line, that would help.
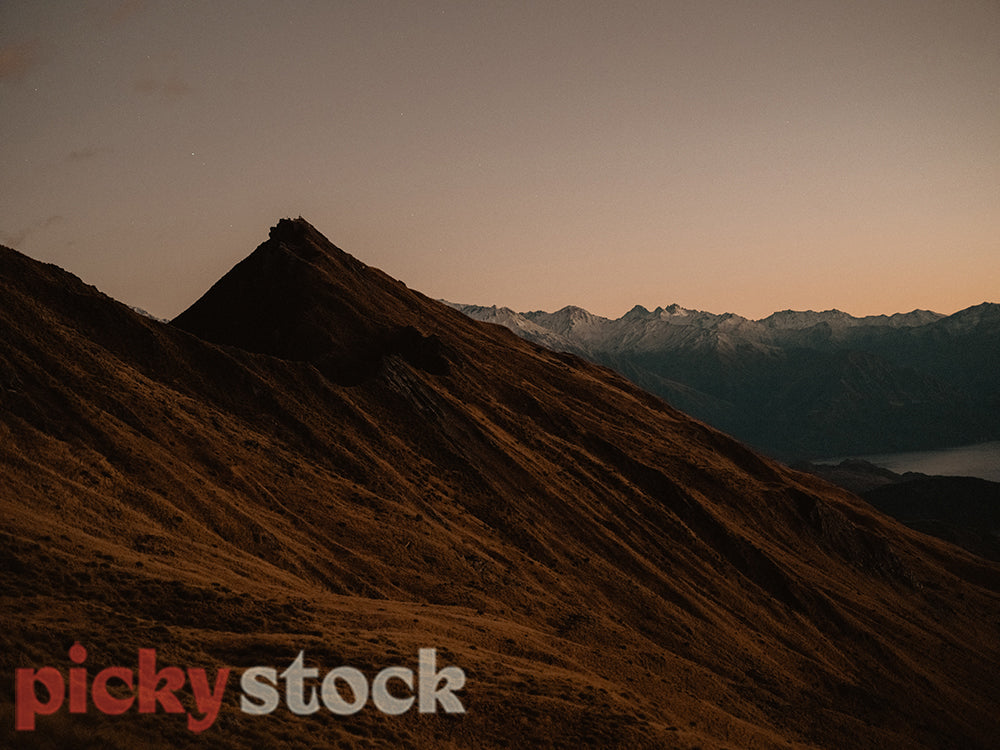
(962, 510)
(607, 571)
(299, 297)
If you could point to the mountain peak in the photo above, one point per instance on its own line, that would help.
(300, 297)
(291, 229)
(306, 243)
(639, 311)
(303, 239)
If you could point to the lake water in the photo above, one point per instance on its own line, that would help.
(981, 460)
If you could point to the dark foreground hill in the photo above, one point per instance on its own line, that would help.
(962, 510)
(800, 384)
(316, 459)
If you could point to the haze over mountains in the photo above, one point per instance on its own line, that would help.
(799, 384)
(316, 458)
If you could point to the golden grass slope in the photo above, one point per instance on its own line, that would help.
(362, 472)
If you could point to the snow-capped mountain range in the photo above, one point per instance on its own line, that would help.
(576, 329)
(798, 383)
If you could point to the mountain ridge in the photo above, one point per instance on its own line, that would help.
(776, 319)
(800, 383)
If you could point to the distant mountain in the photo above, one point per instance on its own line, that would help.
(316, 462)
(799, 384)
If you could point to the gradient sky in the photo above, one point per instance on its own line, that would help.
(728, 156)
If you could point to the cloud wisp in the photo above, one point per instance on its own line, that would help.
(123, 11)
(17, 59)
(172, 88)
(87, 153)
(18, 238)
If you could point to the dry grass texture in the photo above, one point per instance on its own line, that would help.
(357, 471)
